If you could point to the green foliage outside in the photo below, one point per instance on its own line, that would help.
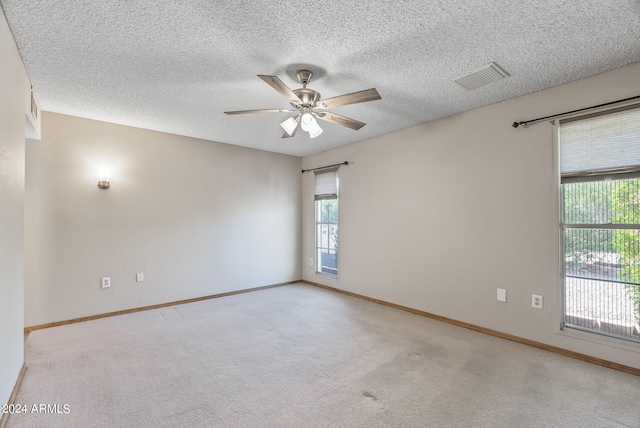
(605, 202)
(626, 208)
(329, 211)
(587, 203)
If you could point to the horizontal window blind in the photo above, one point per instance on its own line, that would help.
(326, 186)
(600, 145)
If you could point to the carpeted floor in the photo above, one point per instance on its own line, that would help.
(301, 356)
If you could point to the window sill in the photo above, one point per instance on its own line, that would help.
(328, 276)
(600, 339)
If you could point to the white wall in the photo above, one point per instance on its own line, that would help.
(197, 217)
(15, 97)
(436, 217)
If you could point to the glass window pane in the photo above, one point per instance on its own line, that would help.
(333, 237)
(327, 236)
(328, 210)
(333, 211)
(602, 202)
(602, 260)
(600, 305)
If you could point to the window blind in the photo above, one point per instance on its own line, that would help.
(326, 186)
(601, 145)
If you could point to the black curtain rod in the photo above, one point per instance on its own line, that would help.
(323, 167)
(526, 122)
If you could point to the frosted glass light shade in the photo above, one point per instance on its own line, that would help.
(315, 131)
(307, 122)
(290, 125)
(310, 124)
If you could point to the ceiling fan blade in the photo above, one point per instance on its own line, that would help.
(340, 120)
(268, 110)
(352, 98)
(282, 89)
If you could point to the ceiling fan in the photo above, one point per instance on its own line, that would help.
(308, 106)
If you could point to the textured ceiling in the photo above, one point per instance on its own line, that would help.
(176, 66)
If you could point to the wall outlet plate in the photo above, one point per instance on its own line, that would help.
(106, 282)
(139, 277)
(502, 295)
(537, 301)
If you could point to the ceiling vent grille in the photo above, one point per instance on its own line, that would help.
(482, 76)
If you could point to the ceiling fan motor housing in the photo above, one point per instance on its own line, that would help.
(308, 96)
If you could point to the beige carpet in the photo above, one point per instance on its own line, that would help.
(300, 356)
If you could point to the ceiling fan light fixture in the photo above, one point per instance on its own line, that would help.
(309, 106)
(315, 131)
(307, 122)
(290, 124)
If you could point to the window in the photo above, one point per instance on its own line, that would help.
(326, 200)
(600, 176)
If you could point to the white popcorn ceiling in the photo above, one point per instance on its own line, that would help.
(175, 66)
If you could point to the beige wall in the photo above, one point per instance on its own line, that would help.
(15, 97)
(196, 217)
(438, 216)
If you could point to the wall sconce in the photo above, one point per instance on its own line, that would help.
(104, 181)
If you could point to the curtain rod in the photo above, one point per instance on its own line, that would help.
(323, 167)
(527, 122)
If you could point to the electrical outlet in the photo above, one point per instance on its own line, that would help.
(106, 281)
(140, 277)
(311, 262)
(536, 301)
(502, 295)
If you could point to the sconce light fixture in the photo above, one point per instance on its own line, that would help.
(104, 181)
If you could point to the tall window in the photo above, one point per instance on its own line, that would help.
(326, 200)
(600, 170)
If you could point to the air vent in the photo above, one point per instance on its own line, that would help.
(482, 76)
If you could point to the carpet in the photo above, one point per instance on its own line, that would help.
(302, 356)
